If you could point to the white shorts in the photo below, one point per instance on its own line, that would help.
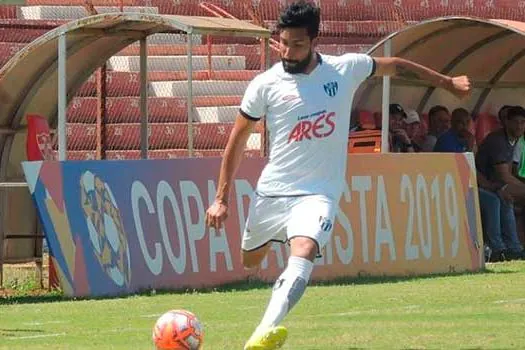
(281, 218)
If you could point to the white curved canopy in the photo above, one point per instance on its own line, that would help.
(490, 52)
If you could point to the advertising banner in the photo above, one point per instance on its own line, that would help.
(119, 227)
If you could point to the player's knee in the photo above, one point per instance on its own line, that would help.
(304, 247)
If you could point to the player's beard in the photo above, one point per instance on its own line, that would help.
(296, 67)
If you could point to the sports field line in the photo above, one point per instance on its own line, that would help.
(36, 323)
(98, 332)
(510, 301)
(37, 336)
(150, 316)
(367, 311)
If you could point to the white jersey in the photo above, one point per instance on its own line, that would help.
(308, 119)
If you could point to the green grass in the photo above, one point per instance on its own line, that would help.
(472, 311)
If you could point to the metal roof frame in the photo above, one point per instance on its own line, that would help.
(443, 44)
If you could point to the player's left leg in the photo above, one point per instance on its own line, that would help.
(310, 226)
(265, 224)
(287, 291)
(291, 284)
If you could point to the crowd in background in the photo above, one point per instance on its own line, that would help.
(500, 164)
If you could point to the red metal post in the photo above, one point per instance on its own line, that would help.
(101, 94)
(210, 67)
(101, 112)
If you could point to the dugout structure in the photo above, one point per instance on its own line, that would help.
(44, 76)
(490, 52)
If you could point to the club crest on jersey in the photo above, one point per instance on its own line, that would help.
(325, 223)
(331, 88)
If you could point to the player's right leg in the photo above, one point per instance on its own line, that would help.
(309, 227)
(266, 223)
(253, 258)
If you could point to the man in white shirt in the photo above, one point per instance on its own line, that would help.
(306, 100)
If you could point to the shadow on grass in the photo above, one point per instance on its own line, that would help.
(250, 285)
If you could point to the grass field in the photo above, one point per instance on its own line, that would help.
(473, 311)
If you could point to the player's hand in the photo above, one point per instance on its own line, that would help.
(216, 214)
(460, 86)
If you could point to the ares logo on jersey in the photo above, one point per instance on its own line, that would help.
(319, 125)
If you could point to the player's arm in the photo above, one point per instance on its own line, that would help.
(400, 67)
(231, 160)
(253, 107)
(233, 155)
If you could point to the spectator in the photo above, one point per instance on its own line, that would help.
(518, 166)
(502, 113)
(499, 187)
(518, 169)
(439, 122)
(519, 159)
(458, 138)
(399, 139)
(355, 123)
(415, 130)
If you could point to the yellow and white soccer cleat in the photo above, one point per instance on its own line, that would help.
(269, 339)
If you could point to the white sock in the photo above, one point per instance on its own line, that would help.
(287, 291)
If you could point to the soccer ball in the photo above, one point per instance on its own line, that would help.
(178, 330)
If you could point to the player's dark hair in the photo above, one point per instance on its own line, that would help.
(301, 14)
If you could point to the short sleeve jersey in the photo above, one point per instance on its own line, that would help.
(308, 118)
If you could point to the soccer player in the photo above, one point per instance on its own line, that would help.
(306, 100)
